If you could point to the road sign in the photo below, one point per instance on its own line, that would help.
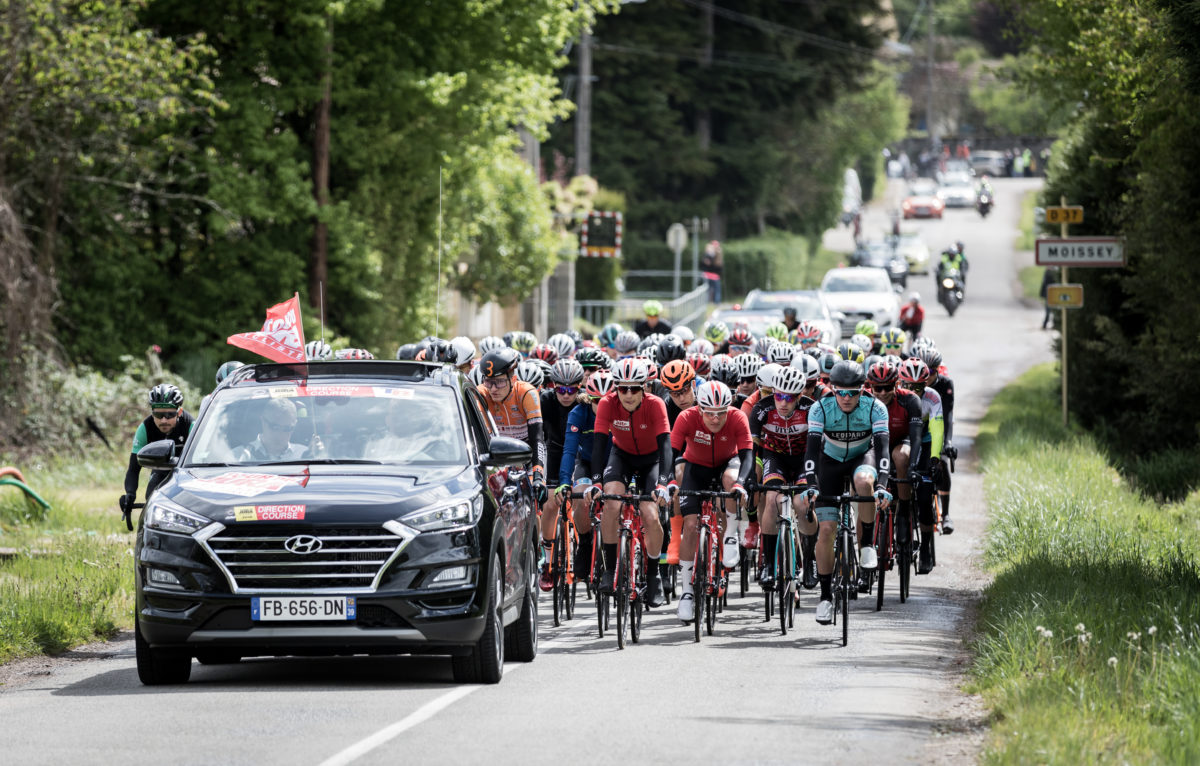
(677, 237)
(600, 234)
(1071, 214)
(1080, 251)
(1068, 296)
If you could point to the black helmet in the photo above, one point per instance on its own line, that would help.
(669, 349)
(439, 351)
(501, 361)
(847, 375)
(593, 358)
(165, 395)
(407, 351)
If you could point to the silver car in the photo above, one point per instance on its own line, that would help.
(861, 293)
(762, 307)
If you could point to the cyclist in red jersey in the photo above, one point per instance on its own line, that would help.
(713, 442)
(904, 419)
(636, 423)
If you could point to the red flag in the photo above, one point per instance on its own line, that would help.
(281, 338)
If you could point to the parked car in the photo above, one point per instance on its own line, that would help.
(882, 255)
(987, 161)
(861, 293)
(392, 519)
(915, 251)
(922, 200)
(762, 307)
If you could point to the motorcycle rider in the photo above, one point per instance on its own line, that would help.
(953, 258)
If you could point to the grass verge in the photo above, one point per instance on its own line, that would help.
(1089, 642)
(1026, 238)
(68, 579)
(1031, 281)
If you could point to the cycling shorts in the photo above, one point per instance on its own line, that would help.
(831, 477)
(702, 478)
(623, 467)
(779, 468)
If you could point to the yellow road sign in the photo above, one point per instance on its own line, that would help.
(1071, 214)
(1068, 296)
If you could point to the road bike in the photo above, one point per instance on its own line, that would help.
(787, 572)
(845, 557)
(629, 580)
(595, 510)
(562, 562)
(707, 574)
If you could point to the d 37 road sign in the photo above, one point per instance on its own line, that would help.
(1080, 251)
(1071, 214)
(1068, 296)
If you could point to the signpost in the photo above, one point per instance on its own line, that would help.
(1065, 296)
(600, 234)
(1065, 214)
(677, 239)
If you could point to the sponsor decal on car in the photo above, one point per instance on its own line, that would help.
(268, 512)
(243, 484)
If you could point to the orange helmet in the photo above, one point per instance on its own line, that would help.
(676, 375)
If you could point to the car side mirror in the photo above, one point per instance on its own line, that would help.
(839, 316)
(504, 450)
(158, 456)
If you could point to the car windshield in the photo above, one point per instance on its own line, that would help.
(299, 422)
(807, 306)
(857, 283)
(922, 189)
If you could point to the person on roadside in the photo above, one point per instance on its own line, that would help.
(712, 264)
(653, 323)
(1049, 277)
(167, 420)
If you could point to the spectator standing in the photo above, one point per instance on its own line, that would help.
(712, 264)
(1049, 277)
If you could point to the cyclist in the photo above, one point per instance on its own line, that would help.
(653, 323)
(607, 337)
(626, 344)
(808, 335)
(912, 315)
(870, 328)
(575, 468)
(779, 427)
(747, 366)
(741, 341)
(714, 445)
(678, 380)
(847, 435)
(557, 402)
(562, 344)
(891, 342)
(167, 420)
(636, 424)
(913, 373)
(515, 407)
(940, 382)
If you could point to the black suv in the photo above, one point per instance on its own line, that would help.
(337, 508)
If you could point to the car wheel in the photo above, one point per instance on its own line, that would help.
(484, 664)
(159, 666)
(521, 643)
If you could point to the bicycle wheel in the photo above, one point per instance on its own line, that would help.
(568, 580)
(883, 536)
(637, 572)
(700, 580)
(848, 582)
(713, 588)
(621, 587)
(904, 553)
(557, 572)
(745, 567)
(784, 572)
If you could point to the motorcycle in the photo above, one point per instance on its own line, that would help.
(984, 204)
(950, 290)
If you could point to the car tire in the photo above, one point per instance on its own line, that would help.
(158, 667)
(521, 643)
(484, 663)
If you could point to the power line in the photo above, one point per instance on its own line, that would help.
(770, 26)
(745, 61)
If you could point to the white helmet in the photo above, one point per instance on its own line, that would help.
(791, 380)
(491, 343)
(702, 346)
(317, 350)
(808, 367)
(531, 373)
(684, 333)
(766, 375)
(631, 371)
(463, 350)
(781, 354)
(713, 395)
(562, 343)
(863, 342)
(747, 365)
(475, 375)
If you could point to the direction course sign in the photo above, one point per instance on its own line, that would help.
(1080, 251)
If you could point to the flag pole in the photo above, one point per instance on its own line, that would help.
(322, 299)
(437, 314)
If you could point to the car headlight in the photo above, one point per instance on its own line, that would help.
(446, 517)
(166, 516)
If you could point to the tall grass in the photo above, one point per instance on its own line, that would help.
(1089, 636)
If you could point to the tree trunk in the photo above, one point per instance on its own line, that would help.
(704, 114)
(319, 260)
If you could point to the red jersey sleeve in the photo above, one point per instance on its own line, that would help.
(741, 430)
(604, 414)
(683, 426)
(659, 424)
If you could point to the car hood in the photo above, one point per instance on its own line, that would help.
(860, 301)
(316, 494)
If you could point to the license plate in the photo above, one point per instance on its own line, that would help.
(292, 608)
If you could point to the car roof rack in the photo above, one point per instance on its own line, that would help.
(436, 372)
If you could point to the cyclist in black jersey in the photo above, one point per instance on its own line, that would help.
(167, 420)
(941, 383)
(566, 375)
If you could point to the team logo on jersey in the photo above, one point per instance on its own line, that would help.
(574, 429)
(702, 437)
(621, 424)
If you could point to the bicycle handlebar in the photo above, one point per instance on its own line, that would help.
(783, 489)
(839, 499)
(707, 493)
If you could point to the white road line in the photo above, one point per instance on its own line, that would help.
(433, 707)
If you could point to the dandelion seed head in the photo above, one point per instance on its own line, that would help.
(1112, 662)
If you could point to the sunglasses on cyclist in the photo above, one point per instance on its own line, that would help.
(785, 397)
(739, 348)
(166, 415)
(495, 382)
(883, 389)
(847, 393)
(566, 390)
(712, 413)
(629, 389)
(750, 379)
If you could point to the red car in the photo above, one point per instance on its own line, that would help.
(922, 200)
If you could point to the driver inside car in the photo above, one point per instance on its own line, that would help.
(274, 442)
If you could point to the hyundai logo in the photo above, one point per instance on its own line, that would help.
(303, 545)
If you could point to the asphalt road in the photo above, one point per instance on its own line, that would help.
(744, 695)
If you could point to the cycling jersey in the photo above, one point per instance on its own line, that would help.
(632, 432)
(931, 406)
(945, 388)
(784, 436)
(700, 446)
(753, 399)
(519, 416)
(146, 433)
(904, 410)
(577, 445)
(847, 435)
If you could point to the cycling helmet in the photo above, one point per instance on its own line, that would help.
(702, 346)
(867, 327)
(713, 395)
(862, 341)
(627, 342)
(807, 366)
(813, 351)
(166, 396)
(353, 353)
(650, 341)
(491, 343)
(913, 372)
(762, 346)
(631, 371)
(741, 337)
(670, 348)
(575, 337)
(608, 334)
(781, 354)
(716, 332)
(545, 352)
(807, 333)
(463, 350)
(931, 357)
(523, 342)
(766, 375)
(725, 370)
(827, 362)
(652, 308)
(475, 375)
(317, 351)
(778, 331)
(847, 374)
(701, 363)
(224, 370)
(790, 380)
(892, 337)
(651, 370)
(882, 374)
(530, 372)
(922, 342)
(593, 358)
(440, 351)
(562, 344)
(684, 333)
(566, 372)
(676, 375)
(747, 365)
(502, 361)
(599, 384)
(849, 352)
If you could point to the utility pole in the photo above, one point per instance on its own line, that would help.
(929, 84)
(583, 108)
